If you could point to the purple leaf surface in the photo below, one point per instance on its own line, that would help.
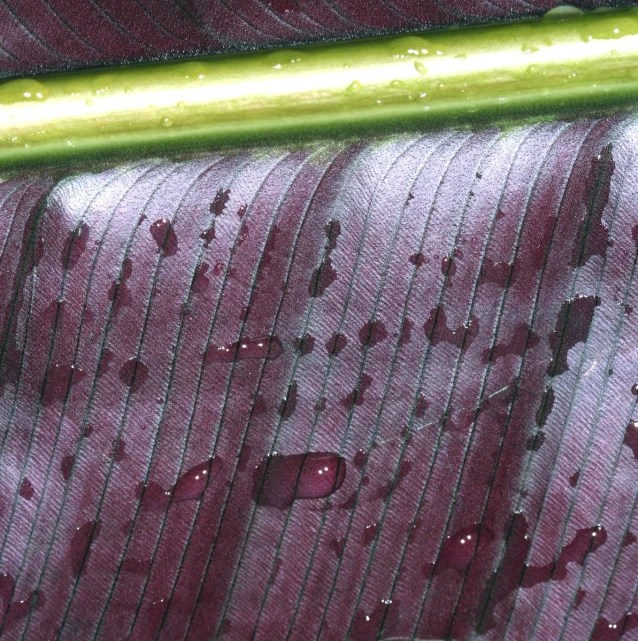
(371, 391)
(38, 35)
(377, 391)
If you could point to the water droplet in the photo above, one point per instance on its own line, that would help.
(337, 545)
(153, 496)
(437, 330)
(279, 480)
(631, 437)
(605, 630)
(460, 548)
(372, 333)
(200, 280)
(289, 404)
(422, 405)
(244, 232)
(166, 121)
(396, 84)
(359, 459)
(181, 104)
(89, 102)
(164, 236)
(193, 483)
(133, 374)
(305, 344)
(367, 624)
(208, 235)
(335, 344)
(420, 67)
(572, 327)
(66, 466)
(573, 479)
(405, 335)
(356, 397)
(418, 259)
(26, 489)
(355, 86)
(448, 267)
(74, 246)
(22, 90)
(585, 542)
(60, 377)
(369, 533)
(562, 11)
(220, 201)
(136, 566)
(83, 538)
(246, 349)
(119, 453)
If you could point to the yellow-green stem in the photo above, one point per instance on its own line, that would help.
(563, 65)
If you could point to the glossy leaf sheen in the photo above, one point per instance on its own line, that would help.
(205, 436)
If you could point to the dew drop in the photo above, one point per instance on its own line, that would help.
(193, 483)
(164, 236)
(460, 548)
(289, 404)
(631, 438)
(200, 280)
(354, 87)
(420, 67)
(247, 349)
(305, 344)
(585, 542)
(220, 201)
(133, 374)
(22, 90)
(359, 459)
(369, 533)
(280, 480)
(26, 489)
(218, 269)
(136, 566)
(337, 546)
(357, 396)
(153, 496)
(83, 538)
(606, 630)
(166, 122)
(66, 466)
(335, 344)
(372, 333)
(562, 11)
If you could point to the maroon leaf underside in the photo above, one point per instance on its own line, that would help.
(38, 35)
(451, 314)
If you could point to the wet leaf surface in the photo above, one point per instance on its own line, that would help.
(417, 447)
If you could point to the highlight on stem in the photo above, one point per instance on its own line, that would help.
(564, 65)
